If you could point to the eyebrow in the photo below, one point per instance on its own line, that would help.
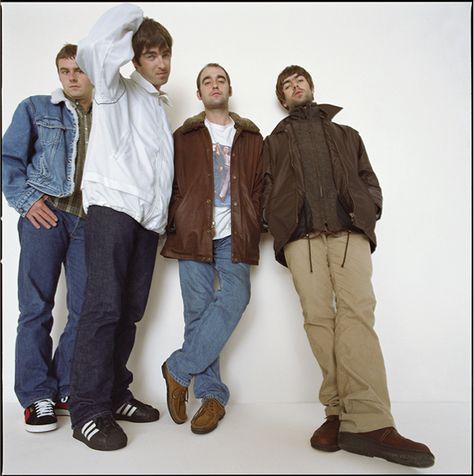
(293, 76)
(219, 76)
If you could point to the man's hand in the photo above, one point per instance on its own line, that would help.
(41, 215)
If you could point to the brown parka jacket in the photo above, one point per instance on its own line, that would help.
(190, 227)
(356, 183)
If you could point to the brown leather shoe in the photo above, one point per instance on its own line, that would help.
(325, 437)
(388, 444)
(207, 417)
(176, 397)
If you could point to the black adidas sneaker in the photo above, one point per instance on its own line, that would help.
(40, 416)
(102, 433)
(137, 412)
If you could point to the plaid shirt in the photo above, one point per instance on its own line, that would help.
(73, 203)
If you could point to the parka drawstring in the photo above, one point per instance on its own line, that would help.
(345, 250)
(309, 251)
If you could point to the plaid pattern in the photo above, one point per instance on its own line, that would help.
(73, 203)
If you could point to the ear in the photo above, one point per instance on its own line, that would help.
(198, 94)
(230, 91)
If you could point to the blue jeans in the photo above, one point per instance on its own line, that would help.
(210, 317)
(39, 374)
(120, 257)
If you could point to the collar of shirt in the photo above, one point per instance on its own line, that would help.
(147, 86)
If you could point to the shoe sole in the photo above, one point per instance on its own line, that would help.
(203, 431)
(367, 447)
(40, 428)
(178, 421)
(80, 437)
(327, 449)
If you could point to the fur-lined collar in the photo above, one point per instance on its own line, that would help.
(197, 122)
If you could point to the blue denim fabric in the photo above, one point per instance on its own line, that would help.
(37, 374)
(120, 257)
(210, 317)
(39, 151)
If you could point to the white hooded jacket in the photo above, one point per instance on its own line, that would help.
(129, 162)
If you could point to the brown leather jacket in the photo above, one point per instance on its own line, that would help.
(190, 220)
(356, 183)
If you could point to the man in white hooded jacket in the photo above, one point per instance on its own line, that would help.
(126, 188)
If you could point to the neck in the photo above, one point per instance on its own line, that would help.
(218, 116)
(85, 103)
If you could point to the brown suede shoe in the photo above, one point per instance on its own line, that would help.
(388, 444)
(325, 437)
(176, 397)
(207, 417)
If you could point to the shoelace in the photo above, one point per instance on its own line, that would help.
(210, 405)
(44, 407)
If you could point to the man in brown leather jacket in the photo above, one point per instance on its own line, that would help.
(214, 231)
(321, 202)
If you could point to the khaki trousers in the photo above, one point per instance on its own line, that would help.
(338, 306)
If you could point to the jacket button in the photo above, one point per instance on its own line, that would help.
(208, 201)
(234, 177)
(235, 204)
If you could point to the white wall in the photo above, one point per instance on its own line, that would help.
(402, 73)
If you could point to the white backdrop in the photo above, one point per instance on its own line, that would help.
(402, 73)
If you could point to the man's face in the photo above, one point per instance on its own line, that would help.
(297, 91)
(75, 82)
(214, 89)
(155, 65)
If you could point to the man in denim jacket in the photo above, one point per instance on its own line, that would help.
(43, 156)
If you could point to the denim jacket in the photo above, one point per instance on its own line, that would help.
(39, 150)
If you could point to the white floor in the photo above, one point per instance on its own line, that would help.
(251, 439)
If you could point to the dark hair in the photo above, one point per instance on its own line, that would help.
(290, 71)
(68, 51)
(151, 34)
(211, 65)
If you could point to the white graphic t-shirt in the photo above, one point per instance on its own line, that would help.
(222, 139)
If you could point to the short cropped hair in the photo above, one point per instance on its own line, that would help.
(211, 65)
(149, 35)
(68, 51)
(290, 71)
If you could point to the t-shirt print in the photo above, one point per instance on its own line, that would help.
(221, 155)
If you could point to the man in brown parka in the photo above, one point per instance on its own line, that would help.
(321, 202)
(214, 229)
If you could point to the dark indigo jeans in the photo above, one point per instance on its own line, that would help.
(120, 258)
(39, 374)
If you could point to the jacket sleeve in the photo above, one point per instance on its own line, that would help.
(368, 176)
(107, 47)
(176, 196)
(17, 146)
(258, 183)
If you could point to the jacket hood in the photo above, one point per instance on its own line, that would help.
(328, 111)
(197, 121)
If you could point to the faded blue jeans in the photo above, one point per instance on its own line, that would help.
(38, 373)
(210, 317)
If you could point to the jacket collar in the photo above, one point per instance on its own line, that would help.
(58, 96)
(197, 122)
(149, 88)
(328, 111)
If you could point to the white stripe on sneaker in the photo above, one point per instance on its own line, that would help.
(126, 409)
(89, 429)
